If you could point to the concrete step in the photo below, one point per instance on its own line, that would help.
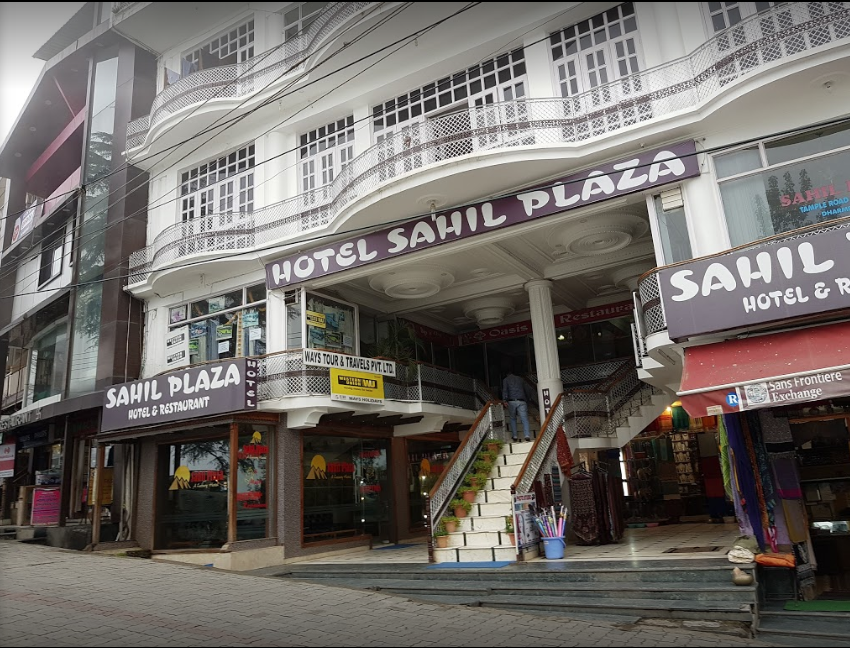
(795, 628)
(486, 523)
(498, 483)
(493, 496)
(475, 539)
(474, 554)
(695, 592)
(506, 471)
(512, 459)
(659, 609)
(494, 508)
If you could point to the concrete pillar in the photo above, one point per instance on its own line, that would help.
(669, 30)
(545, 346)
(362, 129)
(538, 65)
(275, 168)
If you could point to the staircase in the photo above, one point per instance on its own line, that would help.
(611, 591)
(481, 535)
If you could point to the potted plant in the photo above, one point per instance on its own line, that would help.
(488, 456)
(482, 466)
(479, 479)
(509, 529)
(494, 445)
(468, 493)
(450, 523)
(461, 507)
(442, 537)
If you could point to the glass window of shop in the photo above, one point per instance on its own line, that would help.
(331, 325)
(780, 185)
(583, 343)
(231, 325)
(346, 488)
(252, 482)
(192, 511)
(673, 228)
(426, 461)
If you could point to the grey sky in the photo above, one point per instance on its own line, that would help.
(24, 27)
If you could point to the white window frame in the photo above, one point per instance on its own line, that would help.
(238, 39)
(655, 226)
(303, 22)
(57, 256)
(323, 154)
(205, 188)
(32, 362)
(598, 31)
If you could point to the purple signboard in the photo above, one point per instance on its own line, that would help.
(642, 171)
(784, 279)
(191, 393)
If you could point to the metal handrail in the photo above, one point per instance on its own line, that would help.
(669, 88)
(534, 461)
(491, 416)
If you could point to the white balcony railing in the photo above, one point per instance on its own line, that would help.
(751, 46)
(243, 79)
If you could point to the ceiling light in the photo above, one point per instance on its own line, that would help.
(561, 336)
(33, 129)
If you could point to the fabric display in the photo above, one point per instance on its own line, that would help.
(597, 507)
(776, 560)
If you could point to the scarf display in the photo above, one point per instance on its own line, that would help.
(564, 455)
(744, 476)
(583, 507)
(724, 458)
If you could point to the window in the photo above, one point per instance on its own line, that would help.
(52, 253)
(223, 186)
(232, 325)
(501, 78)
(324, 153)
(298, 19)
(597, 51)
(233, 46)
(48, 358)
(331, 325)
(252, 496)
(673, 230)
(782, 184)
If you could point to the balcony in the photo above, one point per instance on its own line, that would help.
(246, 78)
(756, 44)
(651, 311)
(284, 375)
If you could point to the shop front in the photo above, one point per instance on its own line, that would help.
(782, 398)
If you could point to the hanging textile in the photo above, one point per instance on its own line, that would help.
(776, 432)
(765, 514)
(585, 523)
(724, 457)
(762, 462)
(744, 476)
(681, 420)
(617, 508)
(564, 455)
(600, 500)
(787, 475)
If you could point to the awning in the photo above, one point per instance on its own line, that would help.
(805, 365)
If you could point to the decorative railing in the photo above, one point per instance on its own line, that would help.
(490, 424)
(594, 412)
(285, 374)
(543, 445)
(650, 291)
(248, 77)
(118, 7)
(683, 84)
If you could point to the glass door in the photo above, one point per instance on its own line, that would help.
(373, 479)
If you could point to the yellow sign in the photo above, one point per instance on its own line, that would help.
(315, 319)
(356, 386)
(106, 490)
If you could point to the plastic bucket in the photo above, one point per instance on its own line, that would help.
(554, 547)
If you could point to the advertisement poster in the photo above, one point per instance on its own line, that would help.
(316, 320)
(105, 489)
(224, 346)
(7, 460)
(255, 333)
(45, 506)
(216, 304)
(198, 329)
(177, 347)
(251, 318)
(178, 314)
(224, 332)
(527, 535)
(357, 386)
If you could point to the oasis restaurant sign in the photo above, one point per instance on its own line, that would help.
(638, 173)
(191, 393)
(786, 279)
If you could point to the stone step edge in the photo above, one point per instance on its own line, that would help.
(477, 586)
(669, 605)
(805, 633)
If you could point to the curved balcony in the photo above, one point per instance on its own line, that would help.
(754, 45)
(246, 78)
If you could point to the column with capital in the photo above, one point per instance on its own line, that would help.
(549, 383)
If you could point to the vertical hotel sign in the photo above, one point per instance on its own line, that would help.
(190, 393)
(640, 172)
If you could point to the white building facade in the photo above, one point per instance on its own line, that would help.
(495, 178)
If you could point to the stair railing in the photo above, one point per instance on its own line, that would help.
(543, 445)
(490, 424)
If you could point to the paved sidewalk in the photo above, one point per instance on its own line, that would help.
(50, 597)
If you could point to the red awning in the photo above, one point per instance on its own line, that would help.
(800, 366)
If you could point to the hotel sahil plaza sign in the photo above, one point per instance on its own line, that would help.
(640, 172)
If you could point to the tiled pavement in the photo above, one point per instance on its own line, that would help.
(50, 597)
(637, 544)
